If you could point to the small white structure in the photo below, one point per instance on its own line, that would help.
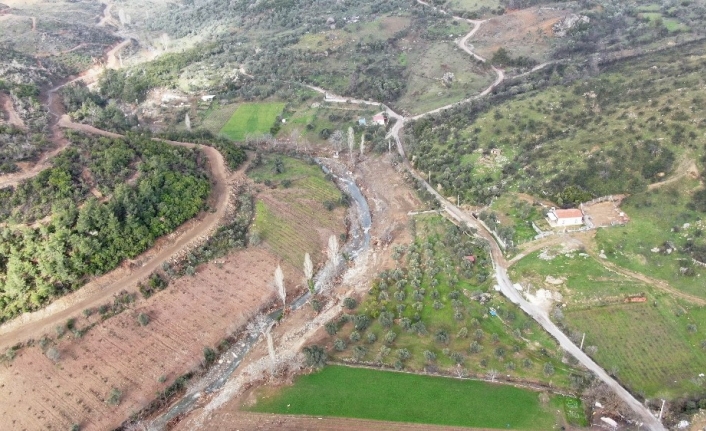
(379, 119)
(208, 97)
(569, 217)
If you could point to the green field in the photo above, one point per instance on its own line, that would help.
(252, 118)
(388, 396)
(647, 347)
(658, 217)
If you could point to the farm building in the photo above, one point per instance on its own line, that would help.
(380, 119)
(568, 217)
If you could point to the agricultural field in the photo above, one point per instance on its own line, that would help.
(435, 312)
(383, 395)
(655, 350)
(650, 346)
(296, 196)
(252, 119)
(523, 32)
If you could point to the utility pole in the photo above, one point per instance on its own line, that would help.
(582, 340)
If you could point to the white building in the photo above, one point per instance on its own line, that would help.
(569, 217)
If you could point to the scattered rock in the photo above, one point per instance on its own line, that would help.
(555, 281)
(562, 27)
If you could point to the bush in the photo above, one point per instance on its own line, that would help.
(359, 352)
(209, 355)
(548, 369)
(429, 356)
(354, 337)
(371, 337)
(114, 397)
(403, 354)
(315, 356)
(361, 322)
(390, 337)
(350, 303)
(143, 319)
(339, 345)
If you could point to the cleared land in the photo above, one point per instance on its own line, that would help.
(371, 394)
(252, 118)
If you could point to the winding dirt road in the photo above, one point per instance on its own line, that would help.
(95, 293)
(500, 264)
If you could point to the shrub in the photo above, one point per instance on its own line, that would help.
(359, 352)
(143, 319)
(114, 397)
(361, 322)
(209, 355)
(354, 337)
(429, 356)
(331, 328)
(371, 337)
(548, 369)
(390, 337)
(316, 305)
(457, 358)
(403, 354)
(475, 347)
(339, 345)
(315, 356)
(442, 336)
(350, 303)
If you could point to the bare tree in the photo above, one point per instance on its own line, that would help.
(492, 374)
(333, 250)
(351, 141)
(362, 144)
(336, 139)
(279, 284)
(309, 271)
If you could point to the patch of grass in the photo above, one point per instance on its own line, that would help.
(252, 118)
(519, 214)
(657, 219)
(647, 347)
(586, 280)
(370, 394)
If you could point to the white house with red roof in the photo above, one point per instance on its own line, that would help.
(380, 119)
(567, 217)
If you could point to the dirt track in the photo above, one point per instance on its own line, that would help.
(98, 291)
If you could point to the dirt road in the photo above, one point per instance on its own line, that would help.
(97, 292)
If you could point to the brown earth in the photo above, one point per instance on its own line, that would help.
(606, 213)
(193, 312)
(525, 32)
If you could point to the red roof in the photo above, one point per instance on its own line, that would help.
(570, 213)
(471, 258)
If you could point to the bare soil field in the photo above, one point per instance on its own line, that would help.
(606, 213)
(193, 312)
(525, 32)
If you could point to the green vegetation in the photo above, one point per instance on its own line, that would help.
(434, 312)
(252, 119)
(151, 188)
(381, 395)
(572, 141)
(664, 220)
(284, 218)
(648, 347)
